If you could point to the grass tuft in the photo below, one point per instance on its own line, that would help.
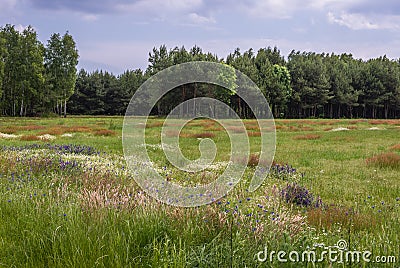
(332, 216)
(385, 160)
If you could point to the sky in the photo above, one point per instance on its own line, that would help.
(117, 35)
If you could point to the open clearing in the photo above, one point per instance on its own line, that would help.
(67, 198)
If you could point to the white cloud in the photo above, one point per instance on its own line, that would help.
(333, 4)
(160, 6)
(286, 8)
(198, 19)
(90, 17)
(269, 8)
(356, 21)
(20, 28)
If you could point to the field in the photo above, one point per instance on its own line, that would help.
(68, 199)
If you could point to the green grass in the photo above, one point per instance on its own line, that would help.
(78, 210)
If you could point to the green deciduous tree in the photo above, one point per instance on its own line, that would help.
(61, 59)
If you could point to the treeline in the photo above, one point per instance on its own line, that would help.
(306, 85)
(36, 79)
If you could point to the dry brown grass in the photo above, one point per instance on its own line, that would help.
(307, 137)
(104, 132)
(29, 138)
(393, 122)
(352, 127)
(59, 130)
(235, 129)
(306, 129)
(254, 134)
(9, 129)
(201, 135)
(214, 128)
(293, 128)
(395, 147)
(78, 129)
(183, 134)
(331, 216)
(385, 160)
(155, 124)
(280, 127)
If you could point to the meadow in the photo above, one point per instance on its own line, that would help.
(68, 199)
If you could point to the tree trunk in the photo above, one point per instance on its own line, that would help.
(65, 108)
(386, 110)
(21, 111)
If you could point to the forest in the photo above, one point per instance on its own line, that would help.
(42, 79)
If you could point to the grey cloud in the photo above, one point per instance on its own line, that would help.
(87, 6)
(388, 7)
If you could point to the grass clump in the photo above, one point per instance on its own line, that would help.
(385, 160)
(329, 217)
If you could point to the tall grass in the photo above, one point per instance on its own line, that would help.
(71, 206)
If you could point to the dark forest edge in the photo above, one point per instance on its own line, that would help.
(40, 80)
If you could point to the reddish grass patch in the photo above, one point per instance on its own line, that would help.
(328, 129)
(154, 124)
(29, 138)
(78, 129)
(104, 132)
(293, 128)
(393, 122)
(280, 127)
(252, 127)
(377, 122)
(254, 134)
(236, 129)
(59, 130)
(9, 129)
(328, 217)
(54, 131)
(352, 127)
(395, 147)
(202, 135)
(214, 128)
(307, 137)
(385, 160)
(306, 129)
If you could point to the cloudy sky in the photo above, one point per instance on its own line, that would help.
(118, 34)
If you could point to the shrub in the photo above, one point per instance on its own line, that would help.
(299, 195)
